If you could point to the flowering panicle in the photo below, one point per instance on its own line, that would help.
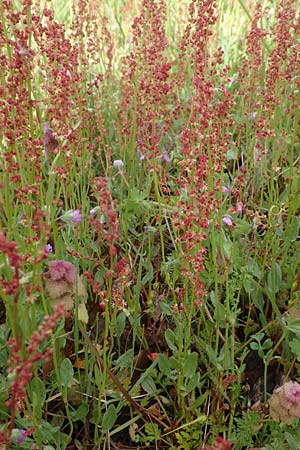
(106, 224)
(17, 103)
(146, 85)
(272, 74)
(204, 144)
(283, 62)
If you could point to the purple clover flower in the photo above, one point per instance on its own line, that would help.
(18, 435)
(49, 248)
(76, 216)
(166, 158)
(239, 207)
(227, 221)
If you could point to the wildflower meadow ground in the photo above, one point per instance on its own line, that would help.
(149, 225)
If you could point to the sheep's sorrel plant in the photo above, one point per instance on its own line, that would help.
(149, 224)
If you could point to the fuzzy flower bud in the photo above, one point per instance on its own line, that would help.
(18, 436)
(118, 164)
(72, 215)
(94, 211)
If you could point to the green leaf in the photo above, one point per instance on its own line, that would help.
(81, 412)
(253, 268)
(98, 375)
(83, 313)
(66, 372)
(165, 308)
(294, 326)
(231, 155)
(190, 364)
(152, 432)
(193, 383)
(109, 418)
(125, 360)
(48, 431)
(293, 444)
(38, 387)
(241, 228)
(213, 358)
(164, 365)
(227, 248)
(292, 230)
(149, 275)
(274, 279)
(148, 385)
(259, 336)
(174, 363)
(294, 345)
(254, 291)
(171, 340)
(248, 284)
(37, 394)
(120, 324)
(219, 313)
(257, 297)
(267, 344)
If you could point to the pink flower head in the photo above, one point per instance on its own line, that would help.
(285, 402)
(292, 392)
(62, 270)
(166, 158)
(49, 141)
(239, 207)
(76, 216)
(227, 221)
(221, 444)
(49, 248)
(18, 435)
(225, 189)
